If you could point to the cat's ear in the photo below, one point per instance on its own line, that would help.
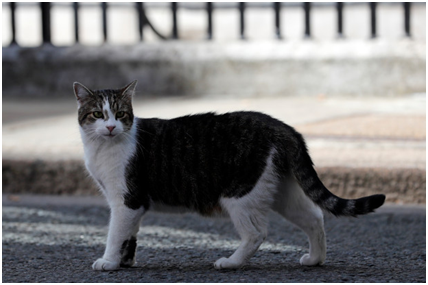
(81, 92)
(129, 90)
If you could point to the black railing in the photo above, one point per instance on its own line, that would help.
(104, 13)
(143, 20)
(277, 8)
(13, 22)
(307, 8)
(373, 6)
(407, 18)
(210, 20)
(339, 7)
(46, 21)
(76, 21)
(242, 19)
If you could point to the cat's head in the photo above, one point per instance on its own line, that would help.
(105, 114)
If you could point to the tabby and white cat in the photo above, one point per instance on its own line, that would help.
(241, 163)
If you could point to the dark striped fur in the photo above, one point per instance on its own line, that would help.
(192, 161)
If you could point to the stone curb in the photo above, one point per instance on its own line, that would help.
(69, 177)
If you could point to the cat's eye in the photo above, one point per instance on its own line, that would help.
(120, 114)
(97, 115)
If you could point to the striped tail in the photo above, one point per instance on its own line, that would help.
(305, 174)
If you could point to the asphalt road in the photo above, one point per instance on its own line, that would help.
(56, 239)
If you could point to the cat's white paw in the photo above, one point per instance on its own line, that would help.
(227, 263)
(105, 265)
(307, 260)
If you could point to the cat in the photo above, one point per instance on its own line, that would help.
(239, 163)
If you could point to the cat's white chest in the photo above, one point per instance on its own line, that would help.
(104, 163)
(107, 162)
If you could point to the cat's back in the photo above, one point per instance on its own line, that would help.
(211, 128)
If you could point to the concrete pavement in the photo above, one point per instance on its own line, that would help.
(56, 239)
(359, 145)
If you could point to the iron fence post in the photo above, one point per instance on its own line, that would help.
(210, 20)
(277, 8)
(76, 21)
(242, 19)
(46, 22)
(141, 19)
(307, 8)
(13, 22)
(339, 7)
(373, 19)
(104, 15)
(174, 8)
(407, 18)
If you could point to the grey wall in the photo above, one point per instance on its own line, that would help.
(300, 68)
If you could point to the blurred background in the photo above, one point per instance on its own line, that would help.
(350, 76)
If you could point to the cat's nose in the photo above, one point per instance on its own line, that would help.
(111, 128)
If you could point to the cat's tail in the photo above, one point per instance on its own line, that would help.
(302, 167)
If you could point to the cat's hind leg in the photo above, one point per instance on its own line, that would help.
(249, 215)
(251, 226)
(292, 203)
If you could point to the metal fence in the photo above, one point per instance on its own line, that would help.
(143, 20)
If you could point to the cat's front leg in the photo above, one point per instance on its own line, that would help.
(121, 240)
(129, 248)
